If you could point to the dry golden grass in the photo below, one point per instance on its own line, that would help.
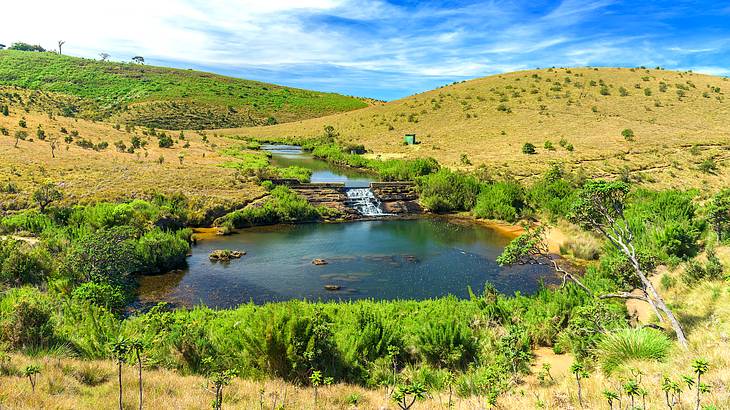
(464, 118)
(88, 175)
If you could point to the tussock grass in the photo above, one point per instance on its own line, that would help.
(619, 347)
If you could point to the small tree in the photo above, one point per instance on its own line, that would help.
(671, 391)
(104, 56)
(580, 372)
(138, 60)
(20, 135)
(31, 372)
(700, 367)
(632, 389)
(529, 149)
(719, 213)
(60, 44)
(5, 110)
(120, 349)
(610, 396)
(315, 379)
(219, 380)
(45, 195)
(137, 346)
(628, 134)
(405, 396)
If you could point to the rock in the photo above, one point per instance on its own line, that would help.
(319, 262)
(225, 255)
(332, 287)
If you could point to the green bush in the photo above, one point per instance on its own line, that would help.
(105, 256)
(500, 200)
(25, 318)
(101, 294)
(160, 251)
(282, 206)
(447, 343)
(620, 346)
(22, 263)
(446, 191)
(529, 148)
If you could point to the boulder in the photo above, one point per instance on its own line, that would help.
(332, 287)
(225, 255)
(319, 262)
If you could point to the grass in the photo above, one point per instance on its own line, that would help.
(162, 97)
(67, 383)
(622, 346)
(464, 118)
(88, 176)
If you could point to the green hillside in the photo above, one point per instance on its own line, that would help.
(162, 97)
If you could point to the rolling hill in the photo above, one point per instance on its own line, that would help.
(158, 96)
(678, 124)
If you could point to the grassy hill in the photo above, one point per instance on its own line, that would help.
(97, 161)
(161, 97)
(679, 122)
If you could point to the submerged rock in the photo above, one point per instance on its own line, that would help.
(332, 287)
(319, 262)
(225, 255)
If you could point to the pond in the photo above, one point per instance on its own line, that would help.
(395, 259)
(322, 171)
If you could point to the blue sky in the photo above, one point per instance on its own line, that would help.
(383, 49)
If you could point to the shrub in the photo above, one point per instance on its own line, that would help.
(621, 346)
(628, 134)
(165, 141)
(446, 191)
(101, 294)
(21, 263)
(106, 256)
(25, 318)
(549, 146)
(282, 206)
(529, 149)
(159, 251)
(501, 200)
(448, 344)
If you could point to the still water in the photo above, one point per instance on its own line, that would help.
(395, 259)
(322, 171)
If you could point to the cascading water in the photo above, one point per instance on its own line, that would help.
(364, 201)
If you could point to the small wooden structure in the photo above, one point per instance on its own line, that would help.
(410, 139)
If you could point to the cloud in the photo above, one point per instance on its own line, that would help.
(377, 48)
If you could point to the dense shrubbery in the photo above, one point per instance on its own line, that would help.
(446, 191)
(282, 206)
(500, 200)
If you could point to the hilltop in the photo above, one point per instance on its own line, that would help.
(160, 97)
(677, 124)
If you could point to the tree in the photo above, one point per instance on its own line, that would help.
(137, 346)
(405, 396)
(20, 46)
(60, 44)
(31, 372)
(138, 59)
(528, 148)
(600, 207)
(46, 194)
(119, 349)
(104, 56)
(580, 372)
(219, 380)
(2, 46)
(700, 367)
(719, 213)
(20, 135)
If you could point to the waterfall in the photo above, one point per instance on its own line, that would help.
(364, 201)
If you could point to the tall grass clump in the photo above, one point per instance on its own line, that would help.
(621, 346)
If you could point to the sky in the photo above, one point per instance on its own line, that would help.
(376, 48)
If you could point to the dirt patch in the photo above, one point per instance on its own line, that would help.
(559, 364)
